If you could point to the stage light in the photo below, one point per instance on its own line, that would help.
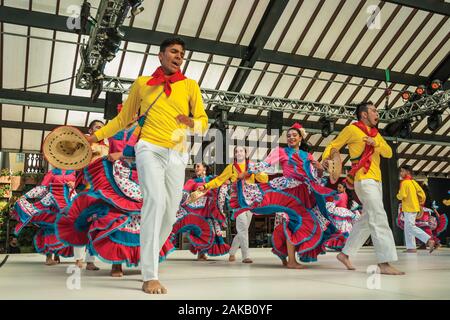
(406, 95)
(434, 121)
(436, 85)
(421, 90)
(400, 129)
(405, 130)
(327, 127)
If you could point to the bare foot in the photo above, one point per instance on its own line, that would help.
(232, 258)
(247, 260)
(343, 258)
(432, 245)
(294, 265)
(386, 268)
(56, 259)
(116, 271)
(50, 262)
(153, 287)
(202, 257)
(92, 267)
(410, 251)
(79, 264)
(284, 262)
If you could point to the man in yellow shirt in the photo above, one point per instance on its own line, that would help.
(366, 146)
(161, 158)
(412, 197)
(234, 171)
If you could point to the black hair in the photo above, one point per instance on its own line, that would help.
(349, 195)
(407, 168)
(303, 144)
(234, 152)
(207, 169)
(171, 41)
(362, 107)
(93, 122)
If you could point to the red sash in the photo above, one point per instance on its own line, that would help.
(365, 160)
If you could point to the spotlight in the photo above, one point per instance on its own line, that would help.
(392, 129)
(406, 95)
(327, 127)
(401, 129)
(405, 130)
(436, 85)
(434, 121)
(421, 90)
(84, 17)
(96, 90)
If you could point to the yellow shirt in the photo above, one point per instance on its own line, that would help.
(161, 126)
(411, 195)
(352, 136)
(230, 173)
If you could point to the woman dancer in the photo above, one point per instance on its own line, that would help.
(106, 216)
(302, 224)
(40, 207)
(202, 219)
(344, 212)
(429, 220)
(237, 171)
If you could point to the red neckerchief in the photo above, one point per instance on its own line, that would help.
(158, 77)
(408, 177)
(366, 157)
(238, 168)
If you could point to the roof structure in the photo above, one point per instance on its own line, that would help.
(309, 50)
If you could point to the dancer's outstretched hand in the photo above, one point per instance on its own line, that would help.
(114, 156)
(92, 139)
(185, 120)
(243, 175)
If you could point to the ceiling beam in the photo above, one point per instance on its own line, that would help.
(300, 61)
(34, 126)
(434, 6)
(266, 25)
(56, 101)
(144, 36)
(442, 71)
(65, 102)
(137, 35)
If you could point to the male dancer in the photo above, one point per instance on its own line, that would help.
(365, 146)
(160, 156)
(412, 197)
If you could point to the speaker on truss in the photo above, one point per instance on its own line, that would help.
(113, 99)
(275, 121)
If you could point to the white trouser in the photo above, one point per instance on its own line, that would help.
(412, 231)
(79, 254)
(241, 238)
(161, 176)
(373, 222)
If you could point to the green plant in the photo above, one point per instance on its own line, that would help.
(4, 172)
(18, 174)
(36, 176)
(4, 189)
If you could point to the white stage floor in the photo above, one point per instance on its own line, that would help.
(428, 277)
